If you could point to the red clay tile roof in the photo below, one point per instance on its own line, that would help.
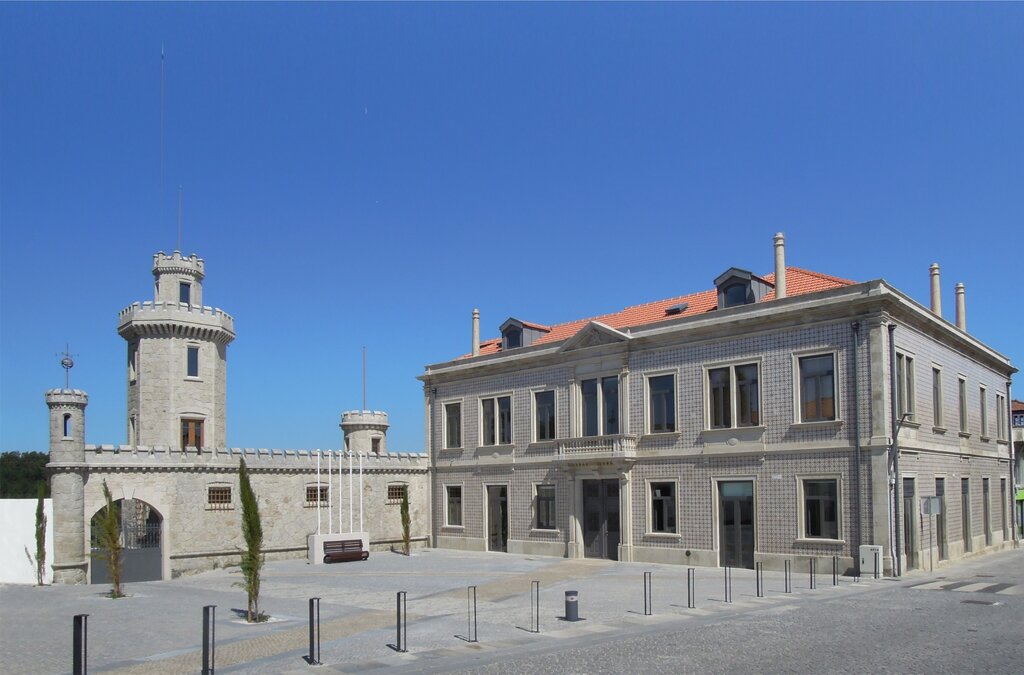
(1017, 406)
(798, 282)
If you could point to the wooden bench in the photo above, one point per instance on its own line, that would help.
(344, 550)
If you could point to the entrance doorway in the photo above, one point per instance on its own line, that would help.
(141, 556)
(909, 536)
(736, 515)
(601, 518)
(497, 518)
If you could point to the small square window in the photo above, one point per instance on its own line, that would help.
(316, 494)
(396, 493)
(218, 497)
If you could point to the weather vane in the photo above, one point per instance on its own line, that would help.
(67, 363)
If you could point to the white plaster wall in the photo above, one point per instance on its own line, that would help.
(18, 532)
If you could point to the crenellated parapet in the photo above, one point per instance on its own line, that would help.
(175, 319)
(176, 263)
(161, 458)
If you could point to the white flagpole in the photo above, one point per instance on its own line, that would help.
(330, 494)
(318, 492)
(350, 491)
(361, 493)
(340, 493)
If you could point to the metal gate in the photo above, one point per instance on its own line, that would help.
(141, 556)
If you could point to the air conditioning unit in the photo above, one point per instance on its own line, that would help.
(871, 562)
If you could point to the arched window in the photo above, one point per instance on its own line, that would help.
(67, 425)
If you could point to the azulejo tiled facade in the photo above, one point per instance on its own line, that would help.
(738, 425)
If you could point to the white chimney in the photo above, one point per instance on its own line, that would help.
(936, 295)
(476, 332)
(780, 266)
(961, 308)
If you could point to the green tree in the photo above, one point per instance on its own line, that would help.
(21, 473)
(406, 537)
(40, 534)
(252, 532)
(107, 530)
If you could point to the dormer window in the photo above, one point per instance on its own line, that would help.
(740, 287)
(516, 333)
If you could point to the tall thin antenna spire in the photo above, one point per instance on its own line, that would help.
(67, 363)
(179, 217)
(162, 203)
(364, 378)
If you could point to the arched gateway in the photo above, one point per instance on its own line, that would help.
(142, 556)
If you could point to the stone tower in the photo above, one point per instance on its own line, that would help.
(177, 360)
(365, 431)
(67, 483)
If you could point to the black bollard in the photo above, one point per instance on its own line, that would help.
(648, 602)
(471, 614)
(80, 645)
(789, 581)
(759, 579)
(209, 639)
(400, 622)
(314, 632)
(691, 588)
(728, 584)
(535, 606)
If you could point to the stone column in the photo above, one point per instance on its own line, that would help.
(67, 484)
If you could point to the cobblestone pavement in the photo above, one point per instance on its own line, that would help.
(159, 628)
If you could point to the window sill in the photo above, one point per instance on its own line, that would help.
(820, 540)
(823, 424)
(939, 430)
(460, 528)
(451, 449)
(498, 447)
(544, 530)
(965, 434)
(219, 507)
(193, 379)
(661, 434)
(984, 439)
(728, 432)
(1002, 441)
(663, 535)
(550, 444)
(910, 424)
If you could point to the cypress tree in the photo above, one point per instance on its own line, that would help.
(252, 533)
(40, 535)
(405, 519)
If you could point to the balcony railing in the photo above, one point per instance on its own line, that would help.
(618, 446)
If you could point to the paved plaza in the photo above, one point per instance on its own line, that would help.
(159, 627)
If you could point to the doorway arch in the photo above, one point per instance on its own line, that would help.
(142, 539)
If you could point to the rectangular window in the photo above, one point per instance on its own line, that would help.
(454, 505)
(396, 493)
(986, 507)
(497, 420)
(133, 361)
(663, 507)
(940, 519)
(662, 403)
(1002, 508)
(733, 397)
(821, 509)
(453, 425)
(185, 292)
(817, 388)
(937, 397)
(600, 406)
(965, 512)
(218, 497)
(316, 494)
(545, 507)
(192, 362)
(905, 386)
(191, 433)
(962, 391)
(983, 397)
(1000, 417)
(544, 409)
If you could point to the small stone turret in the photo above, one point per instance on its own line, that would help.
(67, 483)
(178, 279)
(365, 431)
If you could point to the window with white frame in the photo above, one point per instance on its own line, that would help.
(821, 508)
(983, 397)
(453, 425)
(600, 406)
(496, 420)
(962, 392)
(661, 404)
(1000, 417)
(453, 505)
(544, 415)
(937, 397)
(905, 386)
(545, 507)
(817, 388)
(663, 507)
(733, 396)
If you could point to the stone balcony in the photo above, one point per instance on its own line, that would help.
(597, 448)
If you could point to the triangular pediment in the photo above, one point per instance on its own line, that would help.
(594, 334)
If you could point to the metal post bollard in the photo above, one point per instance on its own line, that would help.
(728, 584)
(759, 578)
(80, 645)
(810, 571)
(209, 639)
(314, 632)
(400, 623)
(471, 614)
(691, 588)
(572, 608)
(789, 581)
(648, 601)
(535, 606)
(835, 570)
(877, 563)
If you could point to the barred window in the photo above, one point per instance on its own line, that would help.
(218, 497)
(316, 494)
(396, 493)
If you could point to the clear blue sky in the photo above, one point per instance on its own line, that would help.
(367, 174)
